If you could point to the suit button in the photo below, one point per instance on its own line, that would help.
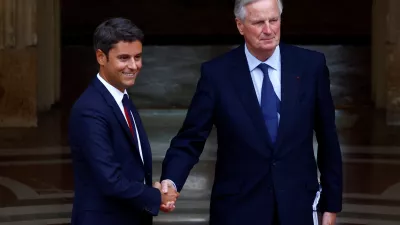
(274, 164)
(148, 174)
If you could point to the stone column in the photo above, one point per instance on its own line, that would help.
(18, 65)
(392, 63)
(380, 10)
(386, 58)
(49, 74)
(29, 60)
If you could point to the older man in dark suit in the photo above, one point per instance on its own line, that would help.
(266, 100)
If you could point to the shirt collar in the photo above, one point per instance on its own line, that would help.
(273, 61)
(117, 94)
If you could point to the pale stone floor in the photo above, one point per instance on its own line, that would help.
(36, 176)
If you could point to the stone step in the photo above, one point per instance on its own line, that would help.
(190, 212)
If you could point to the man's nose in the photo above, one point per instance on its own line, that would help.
(267, 28)
(132, 64)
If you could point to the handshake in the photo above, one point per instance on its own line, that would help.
(169, 195)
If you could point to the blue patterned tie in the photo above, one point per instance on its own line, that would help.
(270, 104)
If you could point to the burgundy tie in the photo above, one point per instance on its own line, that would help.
(125, 102)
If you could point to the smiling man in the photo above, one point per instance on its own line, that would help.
(266, 100)
(111, 154)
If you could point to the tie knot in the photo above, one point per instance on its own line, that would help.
(264, 68)
(125, 100)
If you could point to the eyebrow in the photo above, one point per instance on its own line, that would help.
(128, 55)
(123, 55)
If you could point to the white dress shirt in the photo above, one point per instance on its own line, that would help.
(118, 96)
(274, 71)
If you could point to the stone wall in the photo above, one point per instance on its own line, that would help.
(169, 75)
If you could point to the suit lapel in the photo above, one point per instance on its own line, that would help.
(245, 89)
(116, 110)
(290, 82)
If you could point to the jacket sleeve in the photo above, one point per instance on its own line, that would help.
(329, 155)
(99, 153)
(187, 146)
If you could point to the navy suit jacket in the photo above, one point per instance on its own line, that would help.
(108, 171)
(254, 177)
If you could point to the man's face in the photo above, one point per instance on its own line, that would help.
(261, 27)
(123, 64)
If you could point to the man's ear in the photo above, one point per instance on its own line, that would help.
(101, 57)
(239, 25)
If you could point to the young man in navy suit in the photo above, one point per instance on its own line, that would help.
(110, 150)
(265, 99)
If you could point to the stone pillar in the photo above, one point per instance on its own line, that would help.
(18, 65)
(386, 58)
(49, 74)
(380, 10)
(392, 57)
(29, 60)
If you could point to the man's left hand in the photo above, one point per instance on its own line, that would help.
(328, 218)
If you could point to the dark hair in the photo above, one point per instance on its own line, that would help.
(114, 30)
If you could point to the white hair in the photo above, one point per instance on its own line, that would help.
(240, 11)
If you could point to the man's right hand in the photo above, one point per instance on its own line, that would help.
(168, 197)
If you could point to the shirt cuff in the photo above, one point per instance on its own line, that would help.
(172, 183)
